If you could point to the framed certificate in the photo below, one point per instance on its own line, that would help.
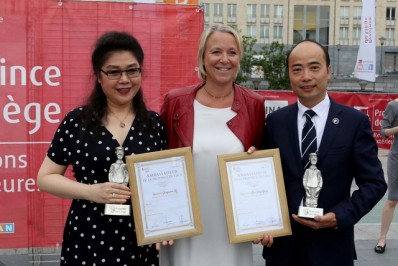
(164, 199)
(254, 195)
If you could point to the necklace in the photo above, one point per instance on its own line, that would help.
(122, 124)
(217, 97)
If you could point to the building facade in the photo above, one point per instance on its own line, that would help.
(334, 23)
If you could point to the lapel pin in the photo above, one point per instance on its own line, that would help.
(335, 121)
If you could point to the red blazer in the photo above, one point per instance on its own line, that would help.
(178, 115)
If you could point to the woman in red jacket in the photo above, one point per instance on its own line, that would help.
(214, 117)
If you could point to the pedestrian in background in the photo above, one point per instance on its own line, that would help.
(389, 127)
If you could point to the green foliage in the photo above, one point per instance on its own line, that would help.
(273, 63)
(247, 61)
(271, 60)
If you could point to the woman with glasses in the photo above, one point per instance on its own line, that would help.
(114, 116)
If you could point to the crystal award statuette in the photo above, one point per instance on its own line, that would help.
(118, 173)
(312, 181)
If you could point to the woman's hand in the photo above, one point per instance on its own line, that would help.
(164, 243)
(267, 240)
(251, 150)
(109, 192)
(51, 179)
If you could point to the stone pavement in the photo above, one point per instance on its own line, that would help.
(366, 234)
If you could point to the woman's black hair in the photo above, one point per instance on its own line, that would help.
(96, 105)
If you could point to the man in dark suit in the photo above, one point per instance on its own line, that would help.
(346, 151)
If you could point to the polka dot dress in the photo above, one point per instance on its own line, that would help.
(90, 237)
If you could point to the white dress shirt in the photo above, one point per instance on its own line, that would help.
(319, 119)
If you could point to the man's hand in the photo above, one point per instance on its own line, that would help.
(325, 221)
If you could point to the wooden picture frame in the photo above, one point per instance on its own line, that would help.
(163, 193)
(254, 195)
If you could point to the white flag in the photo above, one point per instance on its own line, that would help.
(365, 67)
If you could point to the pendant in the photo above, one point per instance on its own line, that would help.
(122, 125)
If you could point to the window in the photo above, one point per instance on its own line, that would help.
(206, 12)
(278, 14)
(264, 34)
(278, 33)
(390, 36)
(218, 12)
(323, 25)
(343, 35)
(264, 11)
(278, 11)
(357, 15)
(390, 13)
(356, 33)
(311, 22)
(298, 25)
(231, 13)
(251, 13)
(344, 15)
(251, 31)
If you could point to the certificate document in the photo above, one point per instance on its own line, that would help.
(163, 195)
(255, 201)
(254, 195)
(163, 188)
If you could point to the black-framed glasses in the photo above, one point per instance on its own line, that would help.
(117, 74)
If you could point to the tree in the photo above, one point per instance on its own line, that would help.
(248, 60)
(274, 66)
(271, 60)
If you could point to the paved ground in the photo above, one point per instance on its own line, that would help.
(366, 234)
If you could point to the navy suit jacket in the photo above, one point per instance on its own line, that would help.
(347, 151)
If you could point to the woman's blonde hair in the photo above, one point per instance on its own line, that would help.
(203, 40)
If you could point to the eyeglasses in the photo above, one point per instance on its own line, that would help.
(117, 74)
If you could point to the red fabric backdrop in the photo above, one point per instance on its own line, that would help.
(45, 50)
(45, 71)
(371, 104)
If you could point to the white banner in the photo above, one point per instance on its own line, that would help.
(365, 67)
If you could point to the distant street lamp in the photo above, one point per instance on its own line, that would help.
(382, 40)
(256, 83)
(362, 84)
(338, 46)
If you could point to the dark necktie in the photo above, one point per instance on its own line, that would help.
(308, 138)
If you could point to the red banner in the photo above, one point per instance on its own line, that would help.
(371, 104)
(45, 72)
(183, 2)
